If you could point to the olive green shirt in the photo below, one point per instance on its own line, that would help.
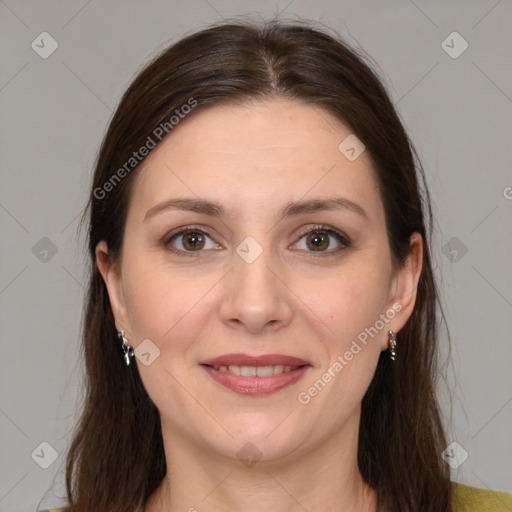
(464, 499)
(473, 499)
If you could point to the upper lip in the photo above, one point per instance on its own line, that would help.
(263, 360)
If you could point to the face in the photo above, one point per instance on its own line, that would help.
(261, 301)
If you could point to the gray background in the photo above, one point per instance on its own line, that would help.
(55, 112)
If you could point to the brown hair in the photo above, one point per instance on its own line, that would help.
(116, 459)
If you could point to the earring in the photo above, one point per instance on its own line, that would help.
(392, 345)
(126, 348)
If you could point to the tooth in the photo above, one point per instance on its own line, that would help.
(234, 369)
(256, 371)
(248, 371)
(264, 371)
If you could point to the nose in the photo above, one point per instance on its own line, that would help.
(255, 295)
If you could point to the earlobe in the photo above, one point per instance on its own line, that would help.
(111, 277)
(405, 282)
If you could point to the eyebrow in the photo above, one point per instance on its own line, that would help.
(291, 209)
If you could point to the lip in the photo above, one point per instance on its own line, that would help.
(256, 386)
(246, 360)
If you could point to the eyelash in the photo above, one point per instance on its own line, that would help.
(342, 238)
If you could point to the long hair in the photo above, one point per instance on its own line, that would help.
(116, 458)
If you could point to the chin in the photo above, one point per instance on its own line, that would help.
(260, 442)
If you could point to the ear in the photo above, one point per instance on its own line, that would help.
(404, 285)
(112, 277)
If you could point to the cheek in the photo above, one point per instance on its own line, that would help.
(350, 300)
(160, 302)
(167, 308)
(351, 306)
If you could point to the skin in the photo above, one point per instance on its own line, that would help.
(291, 300)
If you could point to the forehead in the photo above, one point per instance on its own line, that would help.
(257, 154)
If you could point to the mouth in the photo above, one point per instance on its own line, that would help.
(256, 376)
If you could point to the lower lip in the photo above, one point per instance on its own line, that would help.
(256, 386)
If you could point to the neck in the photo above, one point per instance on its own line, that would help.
(326, 478)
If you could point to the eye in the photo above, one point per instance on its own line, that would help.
(320, 238)
(189, 240)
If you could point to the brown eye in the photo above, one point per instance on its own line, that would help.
(319, 239)
(190, 240)
(193, 241)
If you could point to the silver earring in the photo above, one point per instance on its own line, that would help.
(127, 349)
(392, 345)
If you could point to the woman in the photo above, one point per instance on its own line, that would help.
(262, 315)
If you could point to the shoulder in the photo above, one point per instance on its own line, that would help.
(473, 499)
